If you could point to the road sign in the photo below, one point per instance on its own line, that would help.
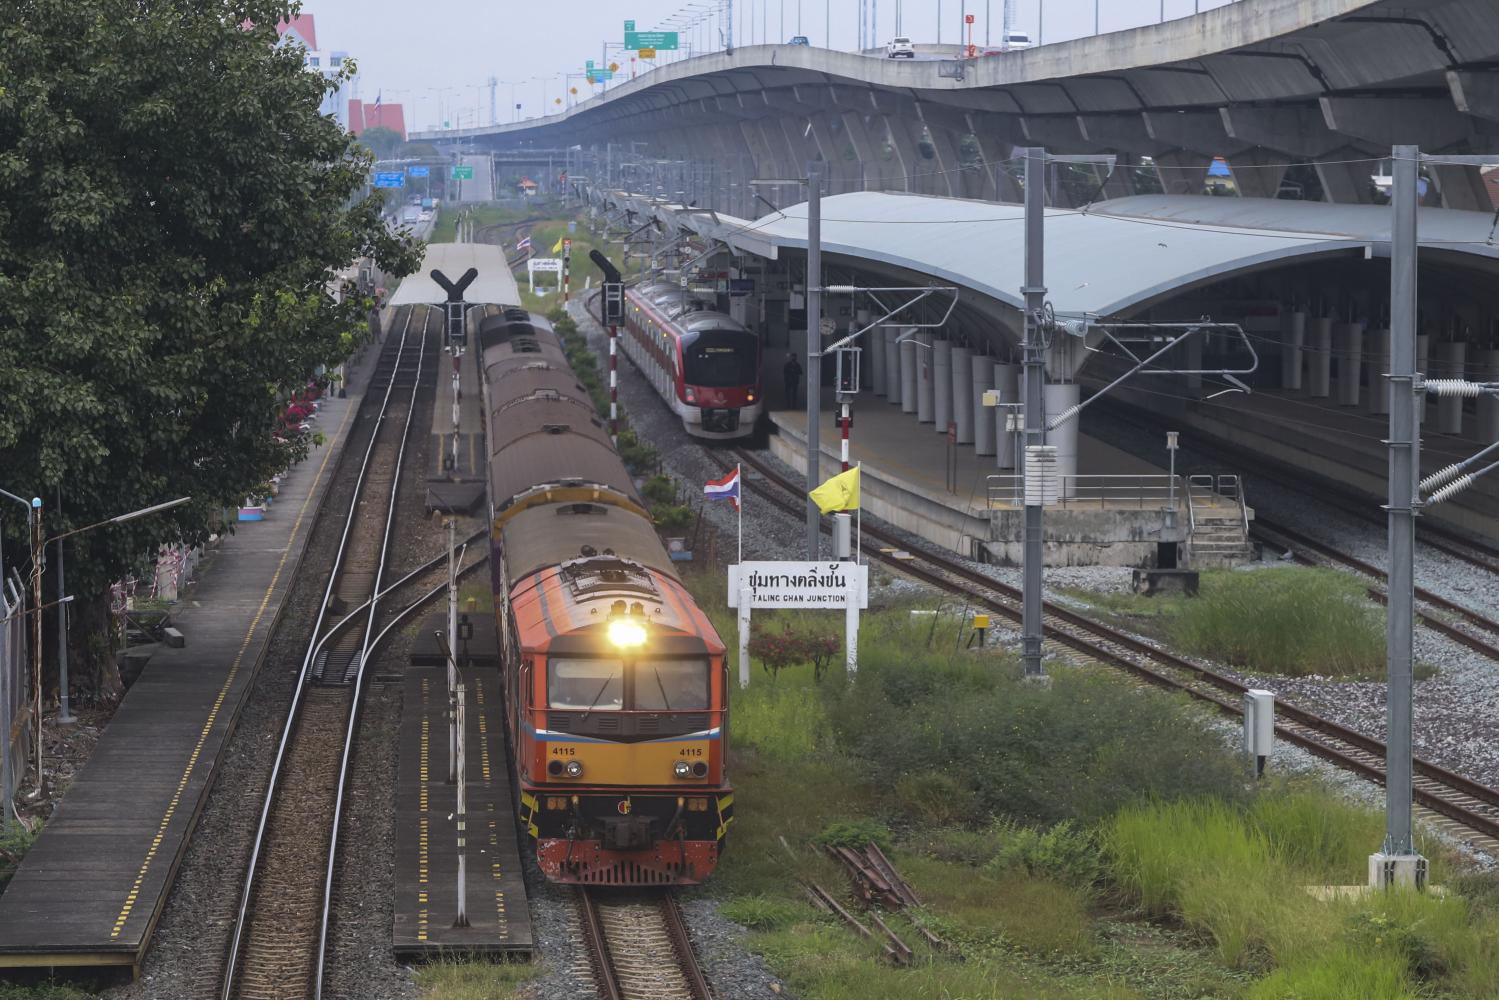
(390, 180)
(614, 67)
(418, 172)
(650, 39)
(588, 64)
(595, 75)
(629, 25)
(968, 19)
(463, 172)
(647, 53)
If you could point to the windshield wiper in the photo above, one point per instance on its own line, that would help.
(602, 688)
(662, 688)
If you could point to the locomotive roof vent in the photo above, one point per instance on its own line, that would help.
(556, 428)
(525, 345)
(517, 313)
(607, 573)
(583, 509)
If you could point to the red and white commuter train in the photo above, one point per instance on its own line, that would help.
(705, 364)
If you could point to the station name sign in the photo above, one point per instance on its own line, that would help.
(799, 584)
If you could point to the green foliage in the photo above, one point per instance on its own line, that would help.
(383, 143)
(1344, 974)
(671, 519)
(776, 651)
(1075, 750)
(1291, 620)
(42, 991)
(855, 833)
(15, 841)
(765, 913)
(984, 910)
(782, 721)
(451, 979)
(659, 489)
(1064, 853)
(638, 456)
(173, 205)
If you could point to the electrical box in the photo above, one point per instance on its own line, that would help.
(846, 376)
(843, 535)
(456, 312)
(1259, 727)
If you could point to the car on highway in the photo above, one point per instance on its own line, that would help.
(798, 40)
(900, 48)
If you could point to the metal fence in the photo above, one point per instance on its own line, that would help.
(13, 661)
(1121, 492)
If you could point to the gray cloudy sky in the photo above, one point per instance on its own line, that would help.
(445, 50)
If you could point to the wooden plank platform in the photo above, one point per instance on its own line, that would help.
(426, 833)
(91, 889)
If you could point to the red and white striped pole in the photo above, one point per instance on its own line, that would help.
(614, 383)
(567, 270)
(844, 444)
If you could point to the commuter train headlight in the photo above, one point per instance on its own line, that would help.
(681, 769)
(574, 769)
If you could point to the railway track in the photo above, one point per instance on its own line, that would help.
(638, 946)
(279, 943)
(1461, 806)
(1468, 627)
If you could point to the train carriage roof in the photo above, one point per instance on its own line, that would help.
(555, 533)
(556, 459)
(546, 413)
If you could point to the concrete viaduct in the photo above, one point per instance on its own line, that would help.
(1328, 85)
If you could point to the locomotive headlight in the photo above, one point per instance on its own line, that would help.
(625, 633)
(574, 769)
(682, 769)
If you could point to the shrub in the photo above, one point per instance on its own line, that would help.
(671, 518)
(1286, 620)
(776, 651)
(659, 489)
(1062, 853)
(855, 833)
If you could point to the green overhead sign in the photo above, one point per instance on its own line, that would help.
(650, 39)
(629, 26)
(463, 172)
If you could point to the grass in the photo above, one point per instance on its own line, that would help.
(485, 214)
(455, 980)
(1290, 620)
(42, 991)
(15, 841)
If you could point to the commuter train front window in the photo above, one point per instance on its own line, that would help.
(720, 360)
(670, 685)
(586, 684)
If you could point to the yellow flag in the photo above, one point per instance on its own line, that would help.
(557, 247)
(839, 493)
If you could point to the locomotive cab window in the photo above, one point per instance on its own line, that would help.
(670, 685)
(586, 684)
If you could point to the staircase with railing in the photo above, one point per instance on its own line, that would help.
(1219, 522)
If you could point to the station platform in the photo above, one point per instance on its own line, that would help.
(91, 889)
(499, 921)
(1329, 442)
(456, 475)
(914, 479)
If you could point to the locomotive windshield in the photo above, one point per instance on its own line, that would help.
(719, 359)
(645, 685)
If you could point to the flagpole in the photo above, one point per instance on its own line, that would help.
(859, 518)
(739, 485)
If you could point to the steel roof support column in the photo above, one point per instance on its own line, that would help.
(1398, 863)
(1035, 417)
(814, 348)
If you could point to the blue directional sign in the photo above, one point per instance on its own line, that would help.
(390, 180)
(418, 171)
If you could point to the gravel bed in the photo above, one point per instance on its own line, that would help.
(187, 953)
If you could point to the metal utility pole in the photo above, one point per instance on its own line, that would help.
(461, 816)
(452, 643)
(38, 550)
(814, 347)
(64, 711)
(1404, 463)
(1034, 397)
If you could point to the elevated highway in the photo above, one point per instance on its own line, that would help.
(1317, 89)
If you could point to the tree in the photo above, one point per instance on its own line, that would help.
(171, 207)
(384, 142)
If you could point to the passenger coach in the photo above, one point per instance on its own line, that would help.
(705, 364)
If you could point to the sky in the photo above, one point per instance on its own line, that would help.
(413, 54)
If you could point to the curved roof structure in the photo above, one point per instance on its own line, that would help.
(1108, 260)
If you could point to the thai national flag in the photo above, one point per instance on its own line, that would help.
(524, 244)
(726, 488)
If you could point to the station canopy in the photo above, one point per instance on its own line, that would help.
(1104, 260)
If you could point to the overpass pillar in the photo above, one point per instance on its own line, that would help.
(903, 155)
(1257, 174)
(1293, 351)
(759, 152)
(1376, 364)
(1462, 187)
(999, 182)
(1451, 361)
(871, 177)
(947, 149)
(823, 135)
(1319, 358)
(1183, 172)
(1345, 181)
(1488, 406)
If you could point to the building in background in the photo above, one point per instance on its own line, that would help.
(378, 115)
(302, 30)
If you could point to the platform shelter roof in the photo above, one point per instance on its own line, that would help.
(494, 285)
